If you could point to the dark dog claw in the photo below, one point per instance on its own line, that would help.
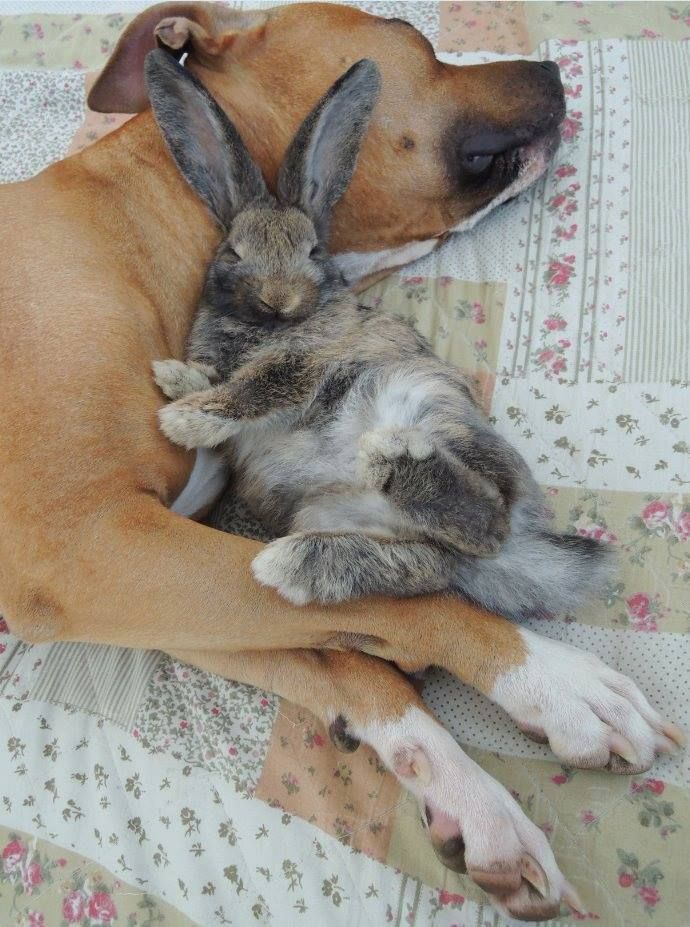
(340, 737)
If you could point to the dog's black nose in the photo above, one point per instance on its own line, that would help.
(551, 67)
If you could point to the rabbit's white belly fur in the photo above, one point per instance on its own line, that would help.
(316, 470)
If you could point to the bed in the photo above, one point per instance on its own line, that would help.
(135, 790)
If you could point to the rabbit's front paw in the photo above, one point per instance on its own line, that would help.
(177, 379)
(186, 423)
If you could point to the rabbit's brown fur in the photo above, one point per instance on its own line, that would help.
(345, 432)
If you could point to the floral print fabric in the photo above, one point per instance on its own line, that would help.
(199, 801)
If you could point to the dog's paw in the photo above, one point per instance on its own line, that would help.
(591, 716)
(177, 379)
(474, 825)
(186, 423)
(381, 447)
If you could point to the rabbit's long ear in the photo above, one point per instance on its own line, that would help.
(321, 159)
(204, 143)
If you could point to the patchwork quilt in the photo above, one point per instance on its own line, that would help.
(135, 790)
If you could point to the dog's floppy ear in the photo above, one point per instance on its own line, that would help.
(321, 159)
(205, 30)
(204, 143)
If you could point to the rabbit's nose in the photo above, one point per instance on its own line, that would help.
(269, 308)
(276, 299)
(292, 304)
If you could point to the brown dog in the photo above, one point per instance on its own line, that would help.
(102, 259)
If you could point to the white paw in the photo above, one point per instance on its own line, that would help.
(380, 446)
(192, 428)
(275, 567)
(472, 820)
(591, 715)
(177, 379)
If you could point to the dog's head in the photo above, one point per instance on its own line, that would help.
(446, 144)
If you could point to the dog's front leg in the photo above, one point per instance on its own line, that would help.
(134, 574)
(473, 823)
(590, 715)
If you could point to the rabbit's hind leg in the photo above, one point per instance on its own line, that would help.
(380, 448)
(336, 567)
(442, 497)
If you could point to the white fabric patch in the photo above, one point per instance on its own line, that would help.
(598, 437)
(138, 801)
(41, 111)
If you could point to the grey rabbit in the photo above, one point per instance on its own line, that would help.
(345, 432)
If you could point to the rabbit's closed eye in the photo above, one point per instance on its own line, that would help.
(271, 269)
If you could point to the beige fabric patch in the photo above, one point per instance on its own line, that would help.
(348, 795)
